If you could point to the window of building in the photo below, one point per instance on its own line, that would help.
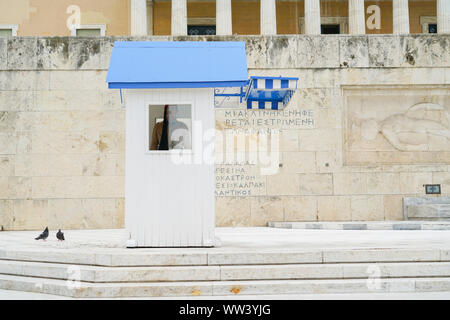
(95, 30)
(329, 29)
(201, 30)
(329, 25)
(432, 28)
(8, 30)
(177, 129)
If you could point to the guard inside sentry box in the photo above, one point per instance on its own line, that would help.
(170, 127)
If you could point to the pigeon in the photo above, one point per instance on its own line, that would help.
(60, 235)
(43, 235)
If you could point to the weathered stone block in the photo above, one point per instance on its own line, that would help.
(84, 53)
(412, 182)
(348, 183)
(53, 53)
(111, 142)
(334, 208)
(383, 183)
(22, 53)
(78, 187)
(24, 80)
(256, 51)
(30, 214)
(393, 207)
(232, 212)
(7, 165)
(31, 165)
(8, 143)
(106, 47)
(28, 121)
(426, 208)
(265, 209)
(65, 142)
(319, 139)
(282, 184)
(367, 208)
(23, 145)
(99, 213)
(316, 98)
(318, 52)
(354, 52)
(3, 53)
(288, 140)
(429, 211)
(101, 164)
(384, 51)
(316, 184)
(442, 178)
(81, 80)
(66, 212)
(281, 51)
(300, 208)
(16, 100)
(119, 214)
(328, 161)
(6, 214)
(298, 162)
(8, 121)
(425, 51)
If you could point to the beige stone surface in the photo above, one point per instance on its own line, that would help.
(442, 178)
(283, 184)
(337, 208)
(412, 182)
(393, 207)
(233, 211)
(6, 214)
(316, 184)
(383, 183)
(265, 209)
(7, 163)
(30, 214)
(349, 183)
(300, 208)
(367, 208)
(298, 162)
(62, 132)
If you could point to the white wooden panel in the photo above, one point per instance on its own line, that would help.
(168, 204)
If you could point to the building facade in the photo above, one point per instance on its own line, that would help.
(368, 125)
(222, 17)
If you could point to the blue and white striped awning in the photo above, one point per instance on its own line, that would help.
(270, 92)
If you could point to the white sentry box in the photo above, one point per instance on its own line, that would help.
(169, 204)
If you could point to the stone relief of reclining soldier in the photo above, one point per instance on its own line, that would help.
(406, 132)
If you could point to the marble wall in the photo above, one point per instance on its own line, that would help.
(367, 126)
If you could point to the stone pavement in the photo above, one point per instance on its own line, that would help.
(242, 239)
(239, 239)
(291, 263)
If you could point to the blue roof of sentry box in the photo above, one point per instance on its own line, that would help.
(177, 64)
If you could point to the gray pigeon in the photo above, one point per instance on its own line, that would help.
(43, 235)
(60, 235)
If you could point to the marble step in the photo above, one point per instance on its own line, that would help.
(221, 288)
(216, 256)
(364, 225)
(224, 273)
(429, 211)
